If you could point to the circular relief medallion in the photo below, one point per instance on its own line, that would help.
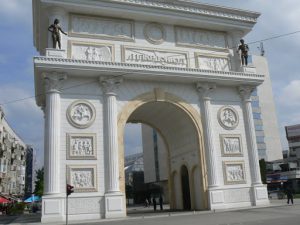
(154, 33)
(228, 117)
(81, 114)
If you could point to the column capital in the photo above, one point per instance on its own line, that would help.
(54, 81)
(205, 89)
(110, 84)
(245, 92)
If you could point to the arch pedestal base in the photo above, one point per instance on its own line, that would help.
(115, 205)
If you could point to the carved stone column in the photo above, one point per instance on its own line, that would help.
(109, 86)
(245, 93)
(114, 199)
(205, 91)
(53, 85)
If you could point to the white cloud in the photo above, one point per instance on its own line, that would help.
(290, 95)
(16, 11)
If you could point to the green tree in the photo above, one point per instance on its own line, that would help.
(263, 169)
(39, 183)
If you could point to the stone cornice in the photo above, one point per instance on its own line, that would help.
(137, 71)
(196, 8)
(184, 6)
(127, 68)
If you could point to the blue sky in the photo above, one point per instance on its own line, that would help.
(17, 51)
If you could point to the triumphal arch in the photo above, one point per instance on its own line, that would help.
(170, 64)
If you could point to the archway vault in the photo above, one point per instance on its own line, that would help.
(145, 108)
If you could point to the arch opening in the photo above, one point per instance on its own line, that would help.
(177, 125)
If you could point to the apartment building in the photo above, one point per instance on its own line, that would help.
(12, 159)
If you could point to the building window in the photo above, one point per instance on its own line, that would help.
(255, 104)
(259, 127)
(254, 93)
(257, 116)
(260, 139)
(262, 153)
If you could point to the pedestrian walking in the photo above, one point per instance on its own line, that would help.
(161, 202)
(146, 203)
(289, 194)
(154, 203)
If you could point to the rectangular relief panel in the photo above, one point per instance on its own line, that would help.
(101, 27)
(154, 57)
(231, 145)
(91, 51)
(193, 37)
(81, 146)
(212, 62)
(234, 172)
(82, 177)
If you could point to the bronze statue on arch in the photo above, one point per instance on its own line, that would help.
(55, 29)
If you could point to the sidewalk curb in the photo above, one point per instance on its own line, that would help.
(167, 214)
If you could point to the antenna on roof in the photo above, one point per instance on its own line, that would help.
(261, 49)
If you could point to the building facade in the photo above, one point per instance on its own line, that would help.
(264, 115)
(168, 65)
(30, 170)
(12, 160)
(293, 137)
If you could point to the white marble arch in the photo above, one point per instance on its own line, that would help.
(149, 85)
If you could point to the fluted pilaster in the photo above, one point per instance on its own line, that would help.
(109, 87)
(245, 93)
(205, 90)
(53, 84)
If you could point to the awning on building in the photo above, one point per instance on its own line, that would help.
(4, 200)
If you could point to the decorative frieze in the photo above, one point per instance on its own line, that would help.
(101, 27)
(82, 177)
(211, 62)
(81, 146)
(228, 117)
(154, 57)
(154, 33)
(234, 172)
(91, 52)
(191, 37)
(231, 145)
(81, 114)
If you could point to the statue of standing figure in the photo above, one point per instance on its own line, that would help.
(244, 52)
(55, 29)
